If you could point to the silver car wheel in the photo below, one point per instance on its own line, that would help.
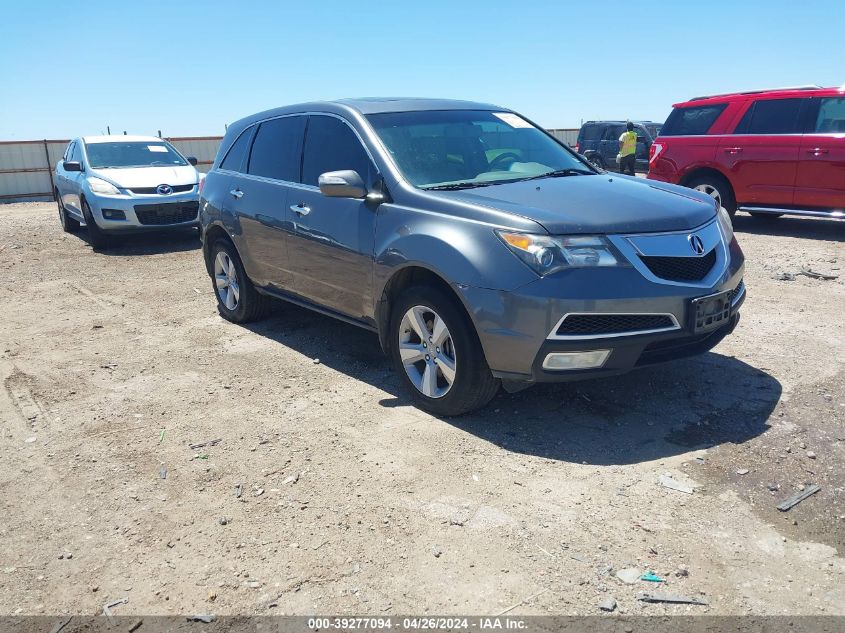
(226, 281)
(427, 351)
(711, 191)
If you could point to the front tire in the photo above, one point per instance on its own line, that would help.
(69, 225)
(717, 188)
(437, 354)
(97, 237)
(237, 299)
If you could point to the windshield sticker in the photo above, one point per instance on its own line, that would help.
(514, 120)
(157, 148)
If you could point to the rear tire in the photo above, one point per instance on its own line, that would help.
(237, 299)
(452, 366)
(97, 237)
(69, 225)
(716, 187)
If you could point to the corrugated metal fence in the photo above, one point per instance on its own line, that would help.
(26, 167)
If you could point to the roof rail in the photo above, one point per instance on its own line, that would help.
(754, 92)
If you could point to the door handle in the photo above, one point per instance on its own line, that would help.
(818, 151)
(733, 150)
(237, 194)
(300, 209)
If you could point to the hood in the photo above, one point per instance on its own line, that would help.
(603, 203)
(130, 177)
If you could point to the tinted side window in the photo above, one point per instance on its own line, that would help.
(831, 118)
(692, 120)
(236, 156)
(331, 145)
(275, 151)
(613, 132)
(773, 116)
(591, 132)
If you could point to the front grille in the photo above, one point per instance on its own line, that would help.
(151, 190)
(681, 268)
(167, 213)
(603, 324)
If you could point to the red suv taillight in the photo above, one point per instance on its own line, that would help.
(654, 151)
(577, 148)
(200, 184)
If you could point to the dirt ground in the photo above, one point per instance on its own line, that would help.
(113, 363)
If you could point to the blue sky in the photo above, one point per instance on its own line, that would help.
(188, 67)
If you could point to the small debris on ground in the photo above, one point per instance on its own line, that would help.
(608, 604)
(292, 479)
(239, 490)
(629, 575)
(795, 499)
(682, 571)
(651, 577)
(815, 275)
(743, 471)
(783, 276)
(107, 608)
(437, 552)
(162, 472)
(673, 484)
(670, 597)
(202, 444)
(207, 619)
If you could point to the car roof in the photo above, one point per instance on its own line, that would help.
(622, 122)
(794, 91)
(116, 138)
(369, 105)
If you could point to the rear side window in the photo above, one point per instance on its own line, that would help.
(613, 132)
(772, 116)
(235, 158)
(331, 145)
(275, 151)
(831, 118)
(590, 132)
(691, 121)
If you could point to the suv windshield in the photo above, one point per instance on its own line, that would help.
(468, 148)
(132, 154)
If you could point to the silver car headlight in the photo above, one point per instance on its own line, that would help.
(98, 185)
(546, 254)
(726, 223)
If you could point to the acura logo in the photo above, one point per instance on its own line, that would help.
(164, 190)
(696, 244)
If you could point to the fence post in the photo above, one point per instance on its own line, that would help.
(49, 169)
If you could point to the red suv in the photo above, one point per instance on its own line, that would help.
(767, 152)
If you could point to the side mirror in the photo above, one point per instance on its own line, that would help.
(342, 184)
(192, 160)
(72, 165)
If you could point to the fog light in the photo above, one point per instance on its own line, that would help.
(576, 360)
(113, 214)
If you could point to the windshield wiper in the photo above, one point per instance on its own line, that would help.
(454, 186)
(559, 173)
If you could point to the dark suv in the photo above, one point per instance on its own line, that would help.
(481, 249)
(598, 141)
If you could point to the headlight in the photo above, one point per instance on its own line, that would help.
(98, 185)
(546, 254)
(726, 223)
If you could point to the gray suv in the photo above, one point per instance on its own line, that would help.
(480, 249)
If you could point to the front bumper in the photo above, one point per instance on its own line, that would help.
(145, 212)
(517, 328)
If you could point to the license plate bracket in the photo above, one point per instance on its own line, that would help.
(711, 312)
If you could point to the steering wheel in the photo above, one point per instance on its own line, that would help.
(502, 158)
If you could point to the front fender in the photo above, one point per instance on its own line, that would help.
(461, 251)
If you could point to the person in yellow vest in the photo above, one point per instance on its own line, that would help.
(628, 150)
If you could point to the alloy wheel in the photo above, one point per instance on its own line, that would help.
(226, 280)
(711, 191)
(427, 351)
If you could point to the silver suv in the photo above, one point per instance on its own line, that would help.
(480, 249)
(117, 184)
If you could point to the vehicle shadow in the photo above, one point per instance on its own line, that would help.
(140, 244)
(649, 414)
(809, 228)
